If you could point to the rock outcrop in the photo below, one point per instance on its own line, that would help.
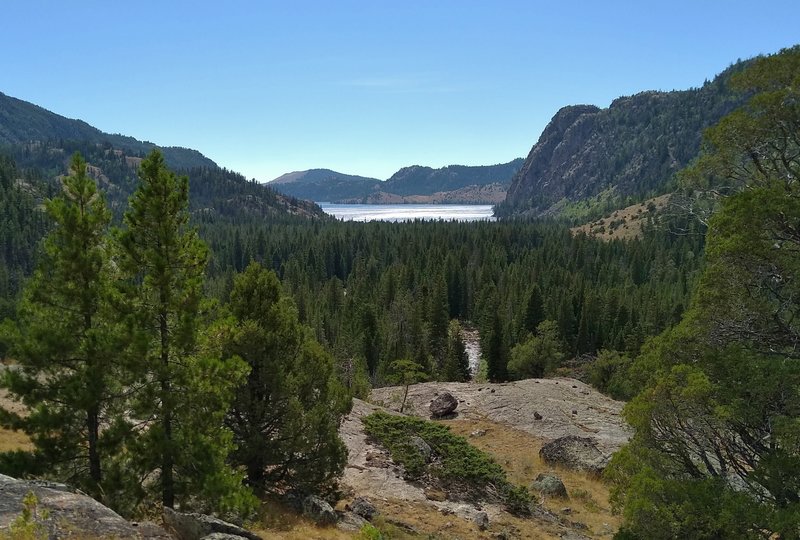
(580, 453)
(361, 506)
(203, 527)
(540, 407)
(318, 510)
(70, 513)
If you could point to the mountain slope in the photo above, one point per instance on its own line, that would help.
(631, 149)
(42, 141)
(22, 122)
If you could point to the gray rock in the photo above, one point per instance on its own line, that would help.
(443, 405)
(481, 519)
(362, 507)
(151, 531)
(318, 510)
(550, 485)
(350, 522)
(71, 513)
(200, 526)
(222, 536)
(478, 433)
(579, 453)
(422, 447)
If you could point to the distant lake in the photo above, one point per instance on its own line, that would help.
(408, 212)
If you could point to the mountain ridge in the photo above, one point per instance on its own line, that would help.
(42, 140)
(414, 183)
(630, 149)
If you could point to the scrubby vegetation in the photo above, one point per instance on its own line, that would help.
(462, 469)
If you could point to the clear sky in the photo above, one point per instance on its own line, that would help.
(364, 87)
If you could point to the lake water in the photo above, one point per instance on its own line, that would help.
(408, 212)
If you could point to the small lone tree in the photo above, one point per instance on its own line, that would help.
(406, 372)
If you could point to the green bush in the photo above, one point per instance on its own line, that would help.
(456, 463)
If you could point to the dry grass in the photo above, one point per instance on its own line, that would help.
(281, 522)
(14, 440)
(626, 223)
(518, 453)
(9, 439)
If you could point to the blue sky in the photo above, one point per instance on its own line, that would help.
(364, 87)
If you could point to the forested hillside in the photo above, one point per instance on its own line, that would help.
(619, 155)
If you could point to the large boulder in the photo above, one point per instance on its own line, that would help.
(203, 527)
(443, 405)
(70, 512)
(550, 485)
(573, 452)
(318, 510)
(361, 506)
(350, 522)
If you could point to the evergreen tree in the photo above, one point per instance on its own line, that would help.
(65, 342)
(164, 263)
(534, 310)
(370, 339)
(494, 352)
(438, 318)
(286, 416)
(716, 445)
(539, 355)
(406, 372)
(456, 364)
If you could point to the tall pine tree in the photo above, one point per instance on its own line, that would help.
(64, 341)
(164, 261)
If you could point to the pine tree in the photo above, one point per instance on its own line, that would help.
(438, 318)
(456, 364)
(164, 261)
(534, 310)
(64, 341)
(286, 416)
(494, 354)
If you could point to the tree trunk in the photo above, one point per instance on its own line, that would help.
(167, 458)
(93, 428)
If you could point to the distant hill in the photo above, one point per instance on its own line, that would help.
(324, 185)
(619, 155)
(43, 141)
(414, 184)
(418, 180)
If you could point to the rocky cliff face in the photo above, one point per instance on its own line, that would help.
(631, 149)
